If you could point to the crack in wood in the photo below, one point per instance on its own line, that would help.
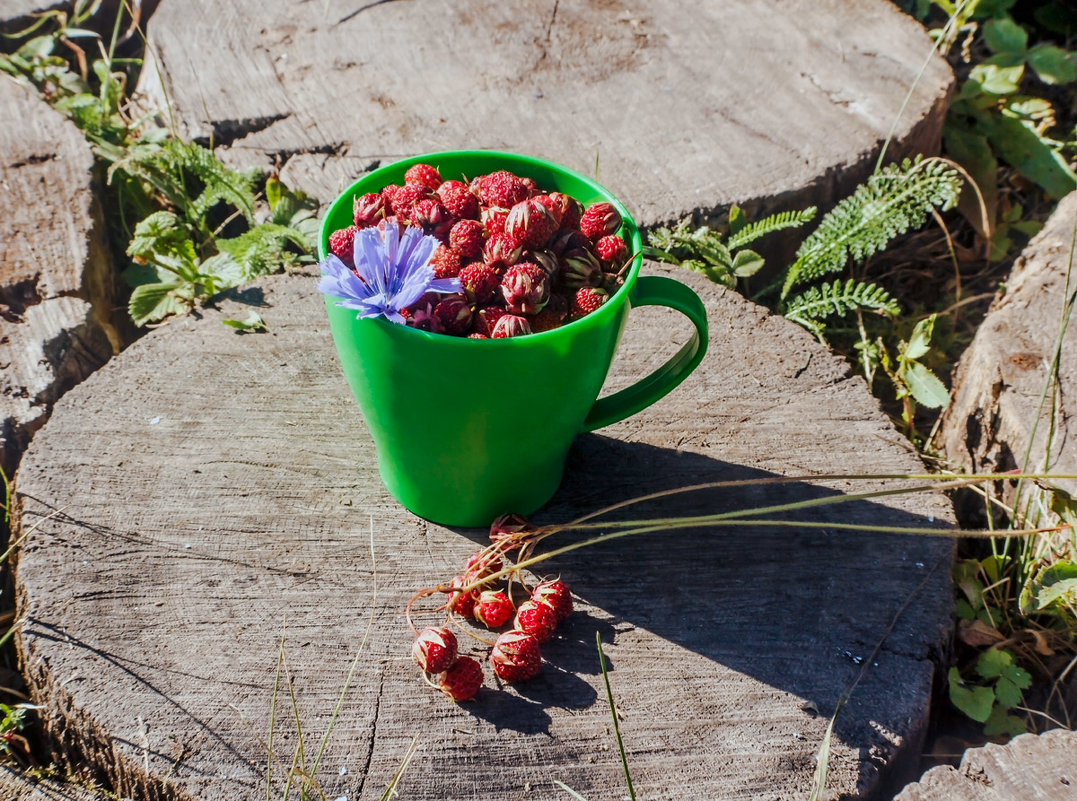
(373, 735)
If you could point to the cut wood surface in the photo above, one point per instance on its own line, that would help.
(55, 279)
(1005, 405)
(208, 500)
(679, 106)
(15, 787)
(1032, 767)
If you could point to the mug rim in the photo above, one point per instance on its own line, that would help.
(598, 317)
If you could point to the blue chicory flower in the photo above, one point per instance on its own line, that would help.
(391, 272)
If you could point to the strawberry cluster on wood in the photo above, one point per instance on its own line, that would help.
(484, 593)
(528, 261)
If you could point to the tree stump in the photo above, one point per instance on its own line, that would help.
(1032, 767)
(996, 416)
(678, 107)
(209, 500)
(55, 277)
(15, 787)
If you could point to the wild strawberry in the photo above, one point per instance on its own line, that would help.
(368, 209)
(508, 526)
(570, 210)
(493, 608)
(429, 214)
(544, 259)
(466, 236)
(526, 288)
(586, 300)
(552, 315)
(500, 251)
(423, 174)
(485, 320)
(612, 250)
(421, 313)
(599, 220)
(342, 245)
(435, 649)
(389, 192)
(461, 603)
(537, 619)
(565, 241)
(556, 594)
(531, 186)
(503, 189)
(479, 282)
(481, 565)
(405, 198)
(493, 219)
(477, 335)
(453, 314)
(530, 223)
(462, 681)
(553, 206)
(510, 325)
(445, 262)
(516, 656)
(458, 200)
(579, 268)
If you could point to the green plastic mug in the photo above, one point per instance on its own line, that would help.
(469, 429)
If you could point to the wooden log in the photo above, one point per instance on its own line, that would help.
(995, 417)
(679, 107)
(209, 500)
(56, 282)
(16, 787)
(1032, 767)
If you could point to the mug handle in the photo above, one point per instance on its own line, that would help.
(656, 290)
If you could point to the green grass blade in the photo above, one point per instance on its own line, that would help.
(613, 712)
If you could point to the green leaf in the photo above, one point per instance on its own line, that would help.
(1055, 584)
(254, 322)
(964, 610)
(1003, 35)
(925, 386)
(998, 75)
(985, 9)
(1000, 722)
(273, 191)
(976, 702)
(920, 339)
(1052, 64)
(737, 220)
(973, 152)
(162, 234)
(992, 663)
(1006, 693)
(1023, 149)
(1019, 677)
(152, 302)
(747, 263)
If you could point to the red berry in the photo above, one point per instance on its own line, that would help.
(537, 619)
(445, 262)
(423, 174)
(506, 526)
(526, 288)
(570, 209)
(435, 649)
(342, 245)
(510, 325)
(551, 317)
(485, 320)
(429, 214)
(454, 315)
(369, 209)
(516, 656)
(461, 603)
(462, 681)
(586, 300)
(556, 594)
(493, 220)
(459, 200)
(612, 250)
(501, 251)
(405, 198)
(481, 565)
(502, 189)
(580, 268)
(466, 236)
(599, 220)
(553, 205)
(530, 223)
(479, 282)
(493, 608)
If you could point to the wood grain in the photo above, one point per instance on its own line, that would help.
(56, 282)
(1032, 767)
(213, 496)
(996, 416)
(681, 107)
(16, 787)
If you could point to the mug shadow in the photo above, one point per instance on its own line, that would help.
(799, 609)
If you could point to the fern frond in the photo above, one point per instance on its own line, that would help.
(818, 303)
(775, 222)
(891, 202)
